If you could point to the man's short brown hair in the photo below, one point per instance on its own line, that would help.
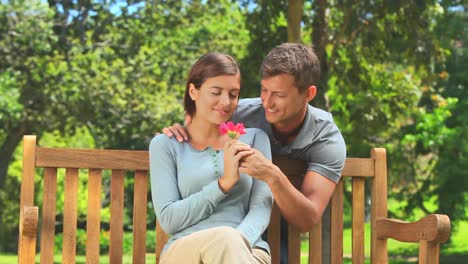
(295, 59)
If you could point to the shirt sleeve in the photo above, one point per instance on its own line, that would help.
(329, 152)
(174, 213)
(261, 199)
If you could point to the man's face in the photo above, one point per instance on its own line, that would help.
(284, 105)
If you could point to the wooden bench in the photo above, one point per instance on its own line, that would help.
(428, 232)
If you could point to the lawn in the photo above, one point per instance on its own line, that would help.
(455, 253)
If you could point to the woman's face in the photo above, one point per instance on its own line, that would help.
(217, 98)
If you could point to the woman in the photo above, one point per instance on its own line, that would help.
(213, 213)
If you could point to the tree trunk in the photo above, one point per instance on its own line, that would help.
(8, 148)
(319, 42)
(295, 10)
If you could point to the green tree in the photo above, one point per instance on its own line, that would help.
(383, 65)
(115, 69)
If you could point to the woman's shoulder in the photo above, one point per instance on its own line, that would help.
(162, 141)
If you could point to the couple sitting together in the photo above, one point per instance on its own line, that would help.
(214, 194)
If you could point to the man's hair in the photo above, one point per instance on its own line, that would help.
(207, 66)
(295, 59)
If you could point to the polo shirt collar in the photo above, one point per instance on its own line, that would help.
(305, 135)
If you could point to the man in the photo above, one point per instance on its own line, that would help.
(289, 74)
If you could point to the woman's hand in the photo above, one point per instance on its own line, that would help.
(234, 151)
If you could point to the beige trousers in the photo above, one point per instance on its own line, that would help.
(219, 245)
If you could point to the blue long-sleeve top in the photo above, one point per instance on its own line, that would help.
(187, 198)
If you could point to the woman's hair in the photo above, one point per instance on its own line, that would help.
(207, 66)
(295, 59)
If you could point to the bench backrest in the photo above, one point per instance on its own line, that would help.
(119, 162)
(326, 238)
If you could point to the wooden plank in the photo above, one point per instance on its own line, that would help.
(379, 253)
(423, 252)
(27, 192)
(117, 217)
(70, 216)
(140, 205)
(28, 171)
(273, 234)
(362, 167)
(358, 215)
(29, 218)
(315, 244)
(433, 252)
(93, 223)
(161, 239)
(337, 224)
(294, 245)
(49, 202)
(433, 228)
(92, 158)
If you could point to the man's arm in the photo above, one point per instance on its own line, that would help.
(309, 203)
(302, 208)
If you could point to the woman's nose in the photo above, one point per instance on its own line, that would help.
(225, 99)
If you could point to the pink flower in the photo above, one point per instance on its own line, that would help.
(233, 131)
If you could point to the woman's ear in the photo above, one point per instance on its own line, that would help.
(193, 92)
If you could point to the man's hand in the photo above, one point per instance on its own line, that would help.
(176, 130)
(258, 166)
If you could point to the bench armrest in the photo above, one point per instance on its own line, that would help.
(432, 228)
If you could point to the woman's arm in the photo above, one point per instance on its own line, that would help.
(261, 200)
(173, 212)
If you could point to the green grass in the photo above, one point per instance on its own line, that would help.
(399, 253)
(10, 259)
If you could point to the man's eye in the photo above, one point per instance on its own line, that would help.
(233, 96)
(216, 93)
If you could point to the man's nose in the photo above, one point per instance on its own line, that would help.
(266, 100)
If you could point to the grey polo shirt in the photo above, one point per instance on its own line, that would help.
(319, 141)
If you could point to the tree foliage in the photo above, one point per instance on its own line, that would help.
(116, 69)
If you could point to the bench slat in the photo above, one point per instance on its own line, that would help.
(92, 158)
(315, 244)
(140, 206)
(336, 247)
(117, 216)
(358, 205)
(49, 201)
(379, 253)
(273, 234)
(363, 167)
(93, 225)
(70, 216)
(294, 245)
